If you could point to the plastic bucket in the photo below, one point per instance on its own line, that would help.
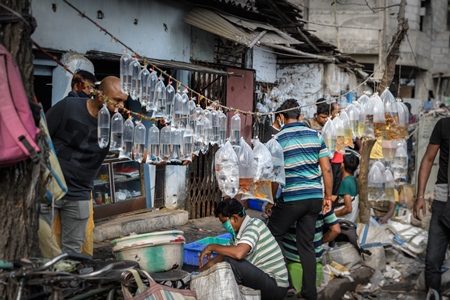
(296, 273)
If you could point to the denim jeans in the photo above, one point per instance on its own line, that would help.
(248, 275)
(304, 213)
(438, 239)
(74, 216)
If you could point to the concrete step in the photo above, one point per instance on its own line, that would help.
(139, 223)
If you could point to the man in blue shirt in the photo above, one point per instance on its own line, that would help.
(302, 197)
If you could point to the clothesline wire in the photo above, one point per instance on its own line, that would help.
(200, 96)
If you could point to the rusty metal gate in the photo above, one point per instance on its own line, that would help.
(203, 191)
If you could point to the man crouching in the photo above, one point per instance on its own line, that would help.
(253, 253)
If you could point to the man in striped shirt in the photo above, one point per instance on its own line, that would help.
(253, 253)
(302, 197)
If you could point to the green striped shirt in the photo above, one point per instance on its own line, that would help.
(265, 253)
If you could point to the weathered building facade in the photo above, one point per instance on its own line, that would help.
(364, 31)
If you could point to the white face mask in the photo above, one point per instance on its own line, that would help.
(281, 124)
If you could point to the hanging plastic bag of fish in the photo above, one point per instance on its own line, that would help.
(128, 139)
(159, 98)
(329, 136)
(263, 172)
(153, 153)
(165, 143)
(144, 98)
(379, 121)
(199, 134)
(135, 72)
(116, 132)
(391, 119)
(152, 80)
(125, 74)
(246, 160)
(227, 170)
(176, 140)
(140, 133)
(348, 131)
(206, 135)
(170, 101)
(278, 161)
(187, 143)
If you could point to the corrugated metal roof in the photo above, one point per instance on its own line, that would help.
(247, 4)
(237, 29)
(162, 63)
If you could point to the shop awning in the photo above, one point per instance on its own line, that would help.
(236, 29)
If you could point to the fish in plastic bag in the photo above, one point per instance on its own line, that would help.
(227, 170)
(246, 160)
(263, 166)
(278, 161)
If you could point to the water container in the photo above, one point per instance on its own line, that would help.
(215, 123)
(353, 116)
(378, 164)
(152, 80)
(199, 134)
(160, 98)
(329, 136)
(145, 87)
(135, 72)
(170, 102)
(348, 131)
(379, 121)
(178, 109)
(389, 149)
(339, 126)
(103, 125)
(207, 135)
(389, 186)
(375, 184)
(176, 139)
(140, 133)
(400, 163)
(166, 146)
(186, 108)
(125, 74)
(116, 132)
(153, 155)
(193, 117)
(403, 120)
(187, 144)
(128, 139)
(368, 118)
(363, 99)
(235, 129)
(391, 116)
(222, 129)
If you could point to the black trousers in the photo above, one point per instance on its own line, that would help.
(250, 276)
(337, 178)
(304, 213)
(438, 239)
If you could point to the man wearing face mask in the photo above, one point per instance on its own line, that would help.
(276, 126)
(253, 253)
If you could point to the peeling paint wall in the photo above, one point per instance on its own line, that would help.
(302, 82)
(309, 82)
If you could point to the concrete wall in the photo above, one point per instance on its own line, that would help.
(359, 33)
(159, 33)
